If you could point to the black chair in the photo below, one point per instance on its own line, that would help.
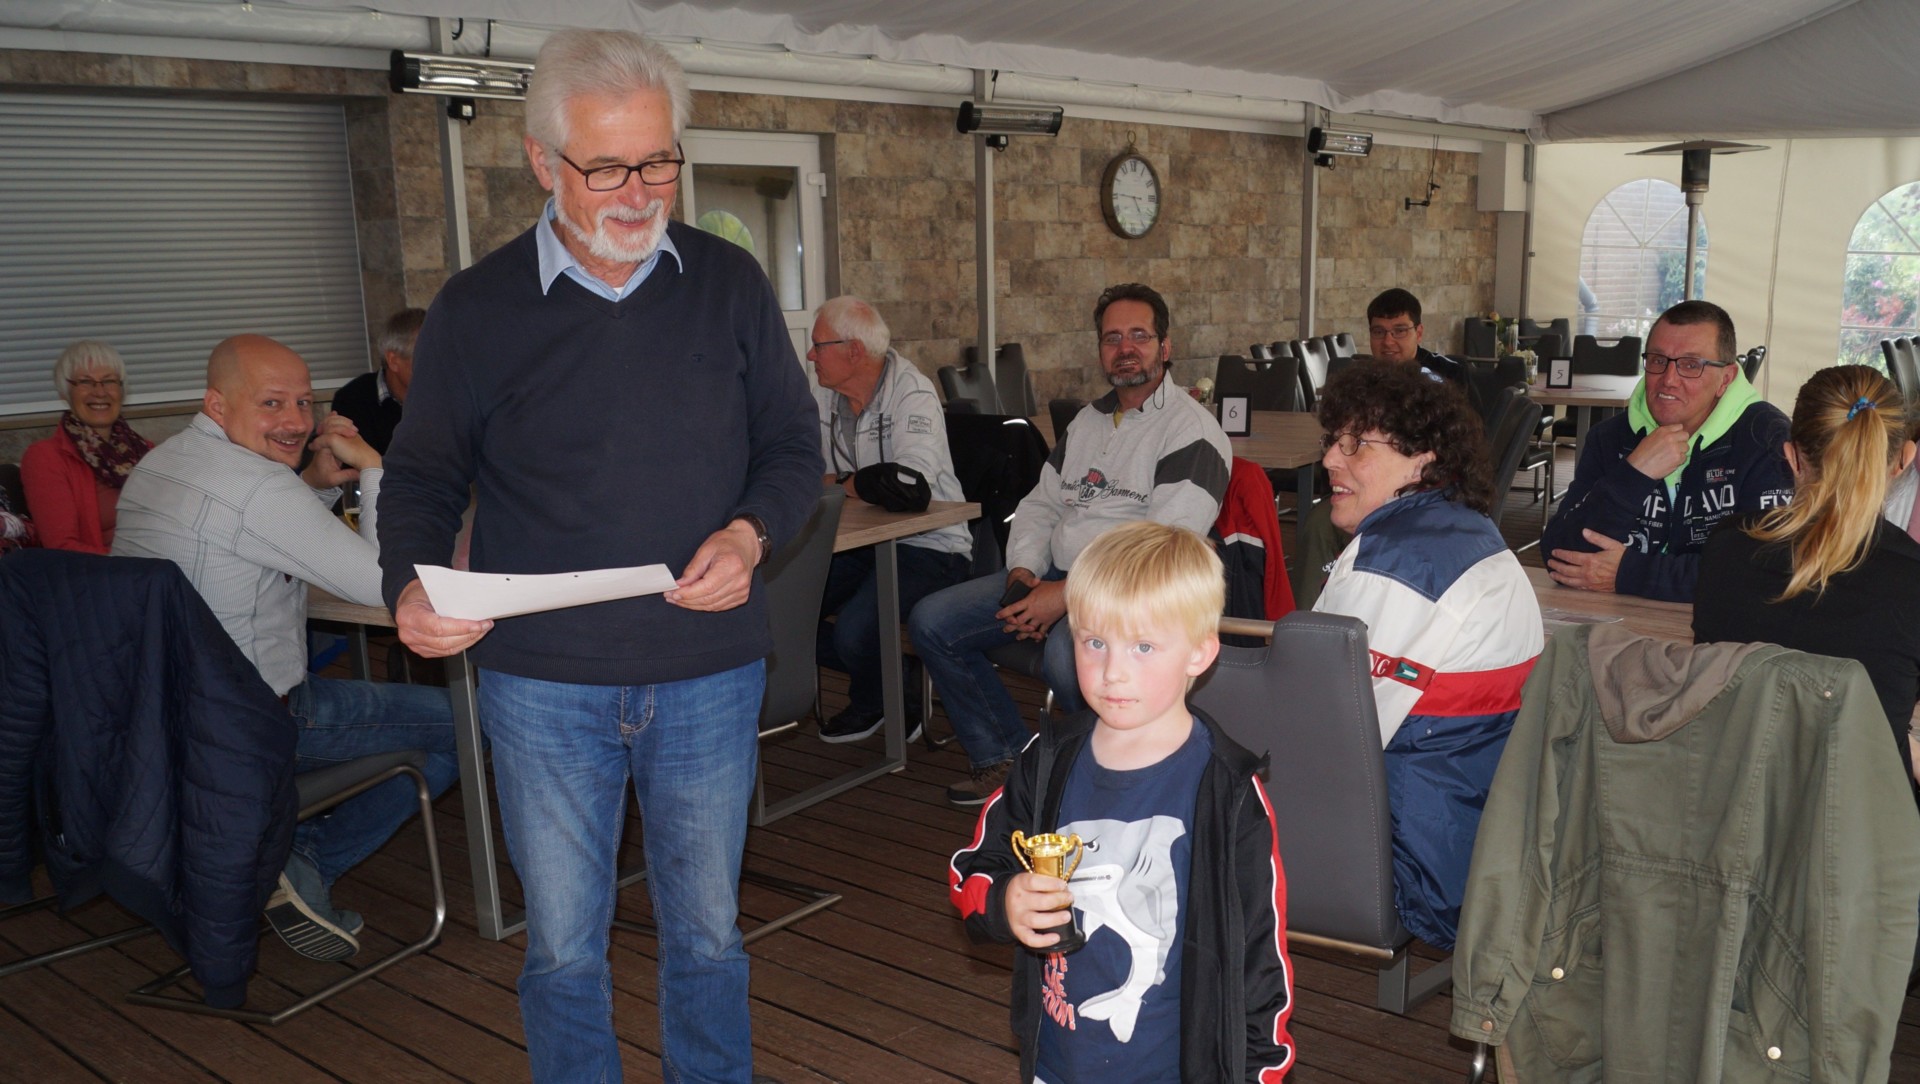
(1485, 383)
(973, 384)
(1903, 368)
(1307, 699)
(1340, 344)
(1267, 385)
(1315, 356)
(51, 686)
(1512, 445)
(1260, 352)
(1477, 340)
(1620, 359)
(998, 462)
(1751, 361)
(1537, 334)
(1062, 412)
(1013, 381)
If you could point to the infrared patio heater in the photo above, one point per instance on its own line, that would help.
(1696, 159)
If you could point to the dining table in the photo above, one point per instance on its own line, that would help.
(861, 524)
(1589, 394)
(1562, 607)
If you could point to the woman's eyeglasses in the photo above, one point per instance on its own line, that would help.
(1348, 444)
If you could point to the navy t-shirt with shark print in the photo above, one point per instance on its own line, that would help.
(1111, 1011)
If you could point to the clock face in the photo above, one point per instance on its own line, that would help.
(1130, 196)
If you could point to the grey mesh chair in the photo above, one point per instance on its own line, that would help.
(795, 579)
(1307, 699)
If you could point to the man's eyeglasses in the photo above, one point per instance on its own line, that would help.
(824, 343)
(1348, 444)
(104, 384)
(1690, 367)
(1399, 332)
(613, 178)
(1138, 336)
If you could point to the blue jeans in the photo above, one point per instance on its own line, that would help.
(345, 720)
(850, 642)
(952, 632)
(562, 758)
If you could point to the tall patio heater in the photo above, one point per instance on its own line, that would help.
(1696, 159)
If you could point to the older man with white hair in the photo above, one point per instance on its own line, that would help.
(618, 390)
(885, 440)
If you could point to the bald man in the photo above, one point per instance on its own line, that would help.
(222, 500)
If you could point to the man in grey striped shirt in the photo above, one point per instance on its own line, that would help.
(221, 499)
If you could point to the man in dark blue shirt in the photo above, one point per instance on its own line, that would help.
(615, 390)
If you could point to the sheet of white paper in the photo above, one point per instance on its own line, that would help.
(480, 595)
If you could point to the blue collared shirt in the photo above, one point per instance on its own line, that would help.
(555, 260)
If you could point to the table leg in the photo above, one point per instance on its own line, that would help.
(476, 803)
(892, 662)
(1303, 489)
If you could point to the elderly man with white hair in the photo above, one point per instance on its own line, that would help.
(885, 440)
(617, 390)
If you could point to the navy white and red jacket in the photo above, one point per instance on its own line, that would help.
(1236, 983)
(1454, 628)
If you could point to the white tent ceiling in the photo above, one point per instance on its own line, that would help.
(1563, 69)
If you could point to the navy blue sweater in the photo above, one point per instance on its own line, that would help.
(601, 434)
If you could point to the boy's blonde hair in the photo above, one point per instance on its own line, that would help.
(1144, 575)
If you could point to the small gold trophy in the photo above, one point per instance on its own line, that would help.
(1047, 854)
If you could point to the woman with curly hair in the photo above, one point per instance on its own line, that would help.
(1452, 622)
(1827, 573)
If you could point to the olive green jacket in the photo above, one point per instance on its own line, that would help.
(1697, 863)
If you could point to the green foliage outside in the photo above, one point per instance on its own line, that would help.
(1880, 297)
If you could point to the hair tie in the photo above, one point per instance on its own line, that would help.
(1860, 404)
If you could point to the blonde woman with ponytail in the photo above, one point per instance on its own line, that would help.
(1827, 574)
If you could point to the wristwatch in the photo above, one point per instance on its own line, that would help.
(760, 531)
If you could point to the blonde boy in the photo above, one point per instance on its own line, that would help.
(1174, 959)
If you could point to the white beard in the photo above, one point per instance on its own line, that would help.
(603, 246)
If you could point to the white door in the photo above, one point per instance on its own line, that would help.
(765, 191)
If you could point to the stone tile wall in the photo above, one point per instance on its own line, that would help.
(1225, 251)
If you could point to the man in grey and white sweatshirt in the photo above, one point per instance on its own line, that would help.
(1146, 450)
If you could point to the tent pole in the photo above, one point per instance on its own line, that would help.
(1694, 200)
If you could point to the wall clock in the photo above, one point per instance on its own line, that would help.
(1130, 195)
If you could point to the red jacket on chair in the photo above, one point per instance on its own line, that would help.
(1248, 530)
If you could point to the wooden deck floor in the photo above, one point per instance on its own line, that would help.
(882, 988)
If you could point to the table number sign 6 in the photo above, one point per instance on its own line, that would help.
(1235, 417)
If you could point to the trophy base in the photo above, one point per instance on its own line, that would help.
(1072, 939)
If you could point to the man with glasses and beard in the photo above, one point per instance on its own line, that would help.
(615, 390)
(1696, 444)
(1145, 450)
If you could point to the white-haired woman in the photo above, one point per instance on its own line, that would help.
(73, 477)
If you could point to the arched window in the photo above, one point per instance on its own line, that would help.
(1633, 257)
(1880, 298)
